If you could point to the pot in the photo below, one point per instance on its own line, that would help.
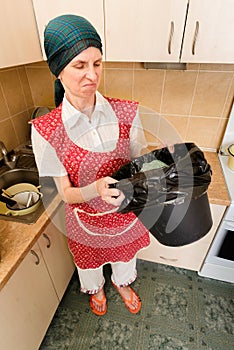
(26, 198)
(231, 157)
(39, 111)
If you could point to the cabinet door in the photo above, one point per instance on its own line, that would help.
(19, 40)
(147, 31)
(209, 33)
(190, 256)
(58, 259)
(27, 303)
(92, 10)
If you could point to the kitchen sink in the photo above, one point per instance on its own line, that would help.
(26, 172)
(16, 176)
(25, 161)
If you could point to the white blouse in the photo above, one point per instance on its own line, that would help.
(100, 134)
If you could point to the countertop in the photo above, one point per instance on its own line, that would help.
(16, 239)
(217, 191)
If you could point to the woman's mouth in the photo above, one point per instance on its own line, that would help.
(90, 85)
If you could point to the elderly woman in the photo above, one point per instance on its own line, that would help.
(81, 143)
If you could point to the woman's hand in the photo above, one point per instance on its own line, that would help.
(109, 195)
(73, 195)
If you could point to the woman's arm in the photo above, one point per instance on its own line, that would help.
(73, 195)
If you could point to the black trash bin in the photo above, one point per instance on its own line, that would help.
(171, 201)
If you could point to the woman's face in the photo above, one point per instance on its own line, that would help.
(81, 77)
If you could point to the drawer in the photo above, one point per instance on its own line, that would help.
(190, 256)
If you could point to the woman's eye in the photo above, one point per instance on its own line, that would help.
(97, 64)
(79, 66)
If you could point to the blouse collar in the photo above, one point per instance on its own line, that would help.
(70, 115)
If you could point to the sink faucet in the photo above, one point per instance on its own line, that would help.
(9, 162)
(3, 151)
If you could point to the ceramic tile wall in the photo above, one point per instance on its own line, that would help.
(16, 106)
(191, 105)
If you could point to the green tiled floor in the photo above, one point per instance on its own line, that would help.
(180, 311)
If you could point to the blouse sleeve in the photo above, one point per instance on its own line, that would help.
(137, 137)
(46, 158)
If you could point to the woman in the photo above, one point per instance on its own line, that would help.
(81, 143)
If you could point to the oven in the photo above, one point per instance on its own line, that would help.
(219, 262)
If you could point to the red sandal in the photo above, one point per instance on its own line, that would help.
(128, 302)
(100, 302)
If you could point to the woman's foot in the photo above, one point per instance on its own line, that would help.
(131, 300)
(98, 303)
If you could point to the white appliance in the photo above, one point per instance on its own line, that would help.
(219, 263)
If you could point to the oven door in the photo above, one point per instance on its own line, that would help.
(219, 263)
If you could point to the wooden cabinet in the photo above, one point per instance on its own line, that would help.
(169, 30)
(58, 259)
(19, 39)
(31, 296)
(190, 256)
(144, 31)
(132, 30)
(90, 9)
(209, 32)
(153, 30)
(27, 303)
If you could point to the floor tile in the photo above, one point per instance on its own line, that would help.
(180, 311)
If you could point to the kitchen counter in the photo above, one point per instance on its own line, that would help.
(16, 239)
(217, 191)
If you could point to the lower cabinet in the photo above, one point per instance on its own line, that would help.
(31, 296)
(190, 256)
(27, 303)
(58, 259)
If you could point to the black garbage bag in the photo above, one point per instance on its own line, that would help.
(171, 201)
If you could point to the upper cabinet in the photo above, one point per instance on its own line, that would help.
(144, 31)
(209, 32)
(170, 30)
(92, 10)
(153, 30)
(19, 40)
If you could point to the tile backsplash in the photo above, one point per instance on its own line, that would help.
(193, 104)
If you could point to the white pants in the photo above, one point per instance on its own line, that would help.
(92, 280)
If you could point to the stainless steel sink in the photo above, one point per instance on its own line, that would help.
(10, 177)
(15, 176)
(25, 161)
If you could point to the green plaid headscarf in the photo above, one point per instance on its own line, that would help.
(65, 37)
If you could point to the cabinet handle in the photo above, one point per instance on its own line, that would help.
(36, 255)
(195, 37)
(170, 37)
(48, 240)
(168, 259)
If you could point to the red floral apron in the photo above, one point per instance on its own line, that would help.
(97, 234)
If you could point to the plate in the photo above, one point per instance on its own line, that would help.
(21, 187)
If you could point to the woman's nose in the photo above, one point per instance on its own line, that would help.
(90, 74)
